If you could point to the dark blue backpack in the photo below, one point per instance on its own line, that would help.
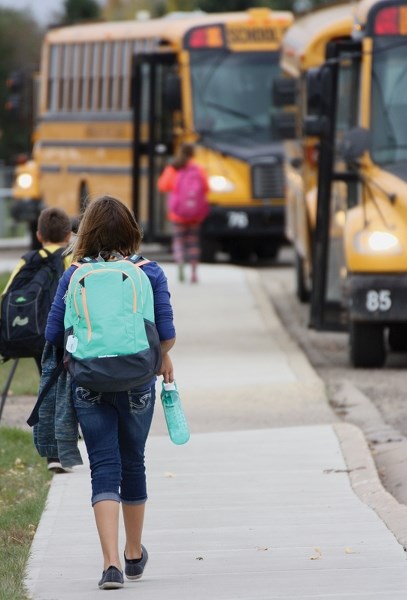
(26, 304)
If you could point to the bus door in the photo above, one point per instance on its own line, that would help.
(332, 96)
(155, 97)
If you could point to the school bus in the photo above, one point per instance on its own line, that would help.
(304, 48)
(354, 108)
(117, 98)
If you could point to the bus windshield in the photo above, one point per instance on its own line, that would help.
(389, 100)
(232, 91)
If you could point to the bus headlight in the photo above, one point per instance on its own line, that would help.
(24, 180)
(368, 242)
(219, 183)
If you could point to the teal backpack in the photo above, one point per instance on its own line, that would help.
(111, 341)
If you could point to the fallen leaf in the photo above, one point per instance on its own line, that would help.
(350, 551)
(318, 554)
(261, 549)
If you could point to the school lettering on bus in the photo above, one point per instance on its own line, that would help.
(252, 36)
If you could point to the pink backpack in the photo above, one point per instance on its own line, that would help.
(188, 200)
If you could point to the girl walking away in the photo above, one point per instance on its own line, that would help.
(115, 415)
(187, 187)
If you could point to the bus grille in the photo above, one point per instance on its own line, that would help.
(268, 180)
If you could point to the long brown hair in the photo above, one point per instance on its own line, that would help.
(107, 226)
(185, 152)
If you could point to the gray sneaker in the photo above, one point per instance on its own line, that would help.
(134, 568)
(112, 579)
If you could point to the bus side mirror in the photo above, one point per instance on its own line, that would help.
(172, 92)
(313, 91)
(355, 142)
(284, 125)
(284, 91)
(319, 93)
(315, 125)
(319, 89)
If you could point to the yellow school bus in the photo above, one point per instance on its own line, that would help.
(304, 47)
(355, 106)
(116, 99)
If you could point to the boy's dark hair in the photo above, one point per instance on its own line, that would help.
(54, 225)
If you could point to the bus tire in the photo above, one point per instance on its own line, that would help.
(367, 348)
(267, 249)
(398, 337)
(209, 247)
(32, 228)
(302, 291)
(240, 251)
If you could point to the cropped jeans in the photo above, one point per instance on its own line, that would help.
(115, 427)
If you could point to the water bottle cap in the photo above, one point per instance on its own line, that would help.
(169, 386)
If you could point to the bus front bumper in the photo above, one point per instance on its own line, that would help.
(233, 221)
(379, 298)
(26, 210)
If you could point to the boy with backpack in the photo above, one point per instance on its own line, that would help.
(187, 187)
(28, 295)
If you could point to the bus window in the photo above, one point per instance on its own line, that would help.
(389, 100)
(232, 90)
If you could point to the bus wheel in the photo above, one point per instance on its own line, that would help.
(209, 247)
(83, 196)
(239, 250)
(367, 347)
(398, 337)
(302, 291)
(267, 250)
(34, 243)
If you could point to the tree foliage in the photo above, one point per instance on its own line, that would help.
(128, 9)
(20, 44)
(116, 10)
(230, 5)
(76, 11)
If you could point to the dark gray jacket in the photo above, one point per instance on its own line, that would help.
(56, 434)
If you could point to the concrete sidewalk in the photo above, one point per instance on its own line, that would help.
(271, 498)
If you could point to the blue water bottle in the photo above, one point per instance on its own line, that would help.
(174, 415)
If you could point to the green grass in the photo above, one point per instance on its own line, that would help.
(24, 484)
(26, 379)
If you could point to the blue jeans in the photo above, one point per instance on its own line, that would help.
(115, 427)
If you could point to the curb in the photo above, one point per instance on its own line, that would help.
(387, 445)
(365, 480)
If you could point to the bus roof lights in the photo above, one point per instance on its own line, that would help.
(387, 21)
(403, 20)
(206, 37)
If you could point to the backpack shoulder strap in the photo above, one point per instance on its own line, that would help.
(34, 416)
(138, 260)
(32, 256)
